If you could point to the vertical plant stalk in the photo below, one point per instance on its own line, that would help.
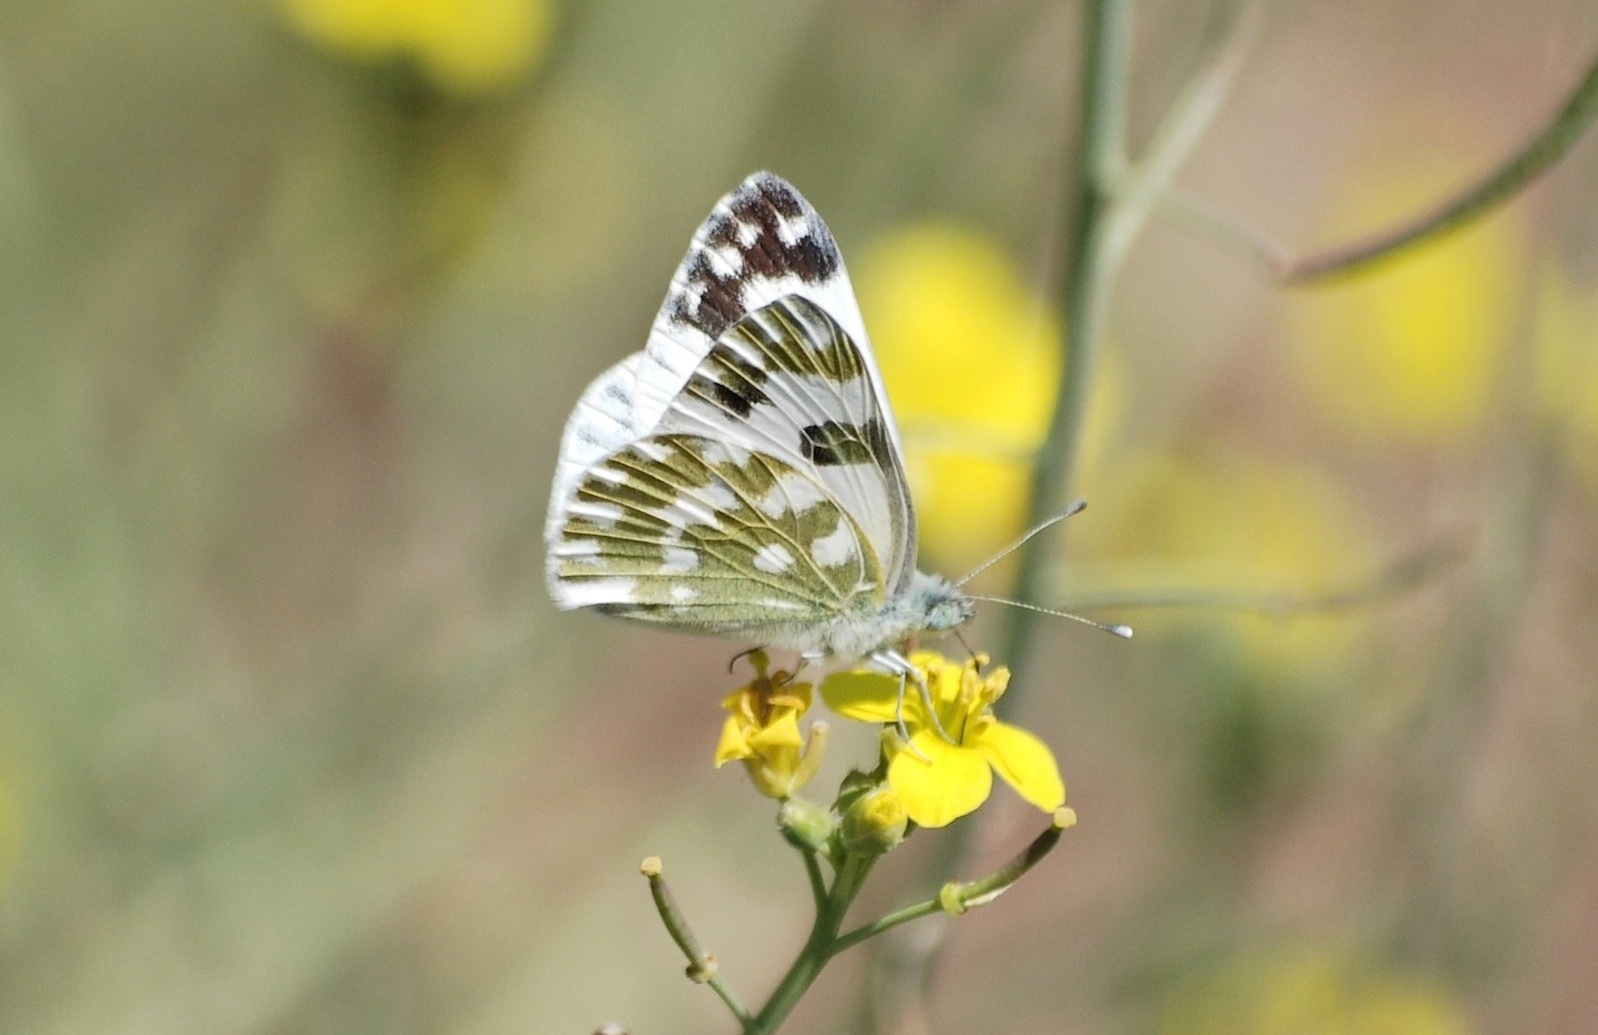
(1084, 289)
(1108, 204)
(904, 966)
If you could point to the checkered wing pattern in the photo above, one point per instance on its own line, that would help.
(761, 243)
(742, 475)
(769, 498)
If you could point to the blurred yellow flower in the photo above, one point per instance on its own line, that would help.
(939, 780)
(10, 826)
(464, 46)
(1229, 526)
(1304, 992)
(1566, 373)
(972, 363)
(762, 731)
(1412, 350)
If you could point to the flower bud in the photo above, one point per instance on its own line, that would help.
(874, 823)
(804, 824)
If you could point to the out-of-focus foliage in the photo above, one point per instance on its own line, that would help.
(1294, 991)
(974, 360)
(1242, 529)
(1417, 353)
(9, 829)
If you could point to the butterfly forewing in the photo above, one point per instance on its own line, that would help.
(787, 381)
(762, 242)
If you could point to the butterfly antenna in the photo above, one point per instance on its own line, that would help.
(732, 662)
(1072, 508)
(1114, 629)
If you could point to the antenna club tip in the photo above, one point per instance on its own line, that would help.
(1123, 631)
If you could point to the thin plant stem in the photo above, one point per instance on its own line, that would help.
(1140, 189)
(1084, 288)
(1404, 575)
(701, 964)
(904, 965)
(1470, 203)
(818, 883)
(1108, 203)
(883, 924)
(818, 948)
(956, 898)
(725, 993)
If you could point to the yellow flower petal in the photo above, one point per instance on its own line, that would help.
(862, 695)
(1025, 763)
(951, 782)
(781, 732)
(733, 745)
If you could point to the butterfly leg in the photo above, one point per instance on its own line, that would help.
(898, 716)
(899, 665)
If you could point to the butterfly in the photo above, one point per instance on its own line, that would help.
(742, 476)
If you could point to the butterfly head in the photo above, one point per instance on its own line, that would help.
(937, 604)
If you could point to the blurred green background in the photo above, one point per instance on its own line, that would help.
(295, 299)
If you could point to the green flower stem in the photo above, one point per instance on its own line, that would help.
(701, 964)
(820, 947)
(956, 898)
(898, 918)
(818, 882)
(1469, 204)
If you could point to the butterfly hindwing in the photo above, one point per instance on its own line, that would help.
(694, 532)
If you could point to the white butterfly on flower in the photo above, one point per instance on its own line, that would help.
(742, 476)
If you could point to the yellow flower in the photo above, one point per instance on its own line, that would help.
(940, 780)
(762, 731)
(1310, 992)
(463, 46)
(972, 363)
(1411, 351)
